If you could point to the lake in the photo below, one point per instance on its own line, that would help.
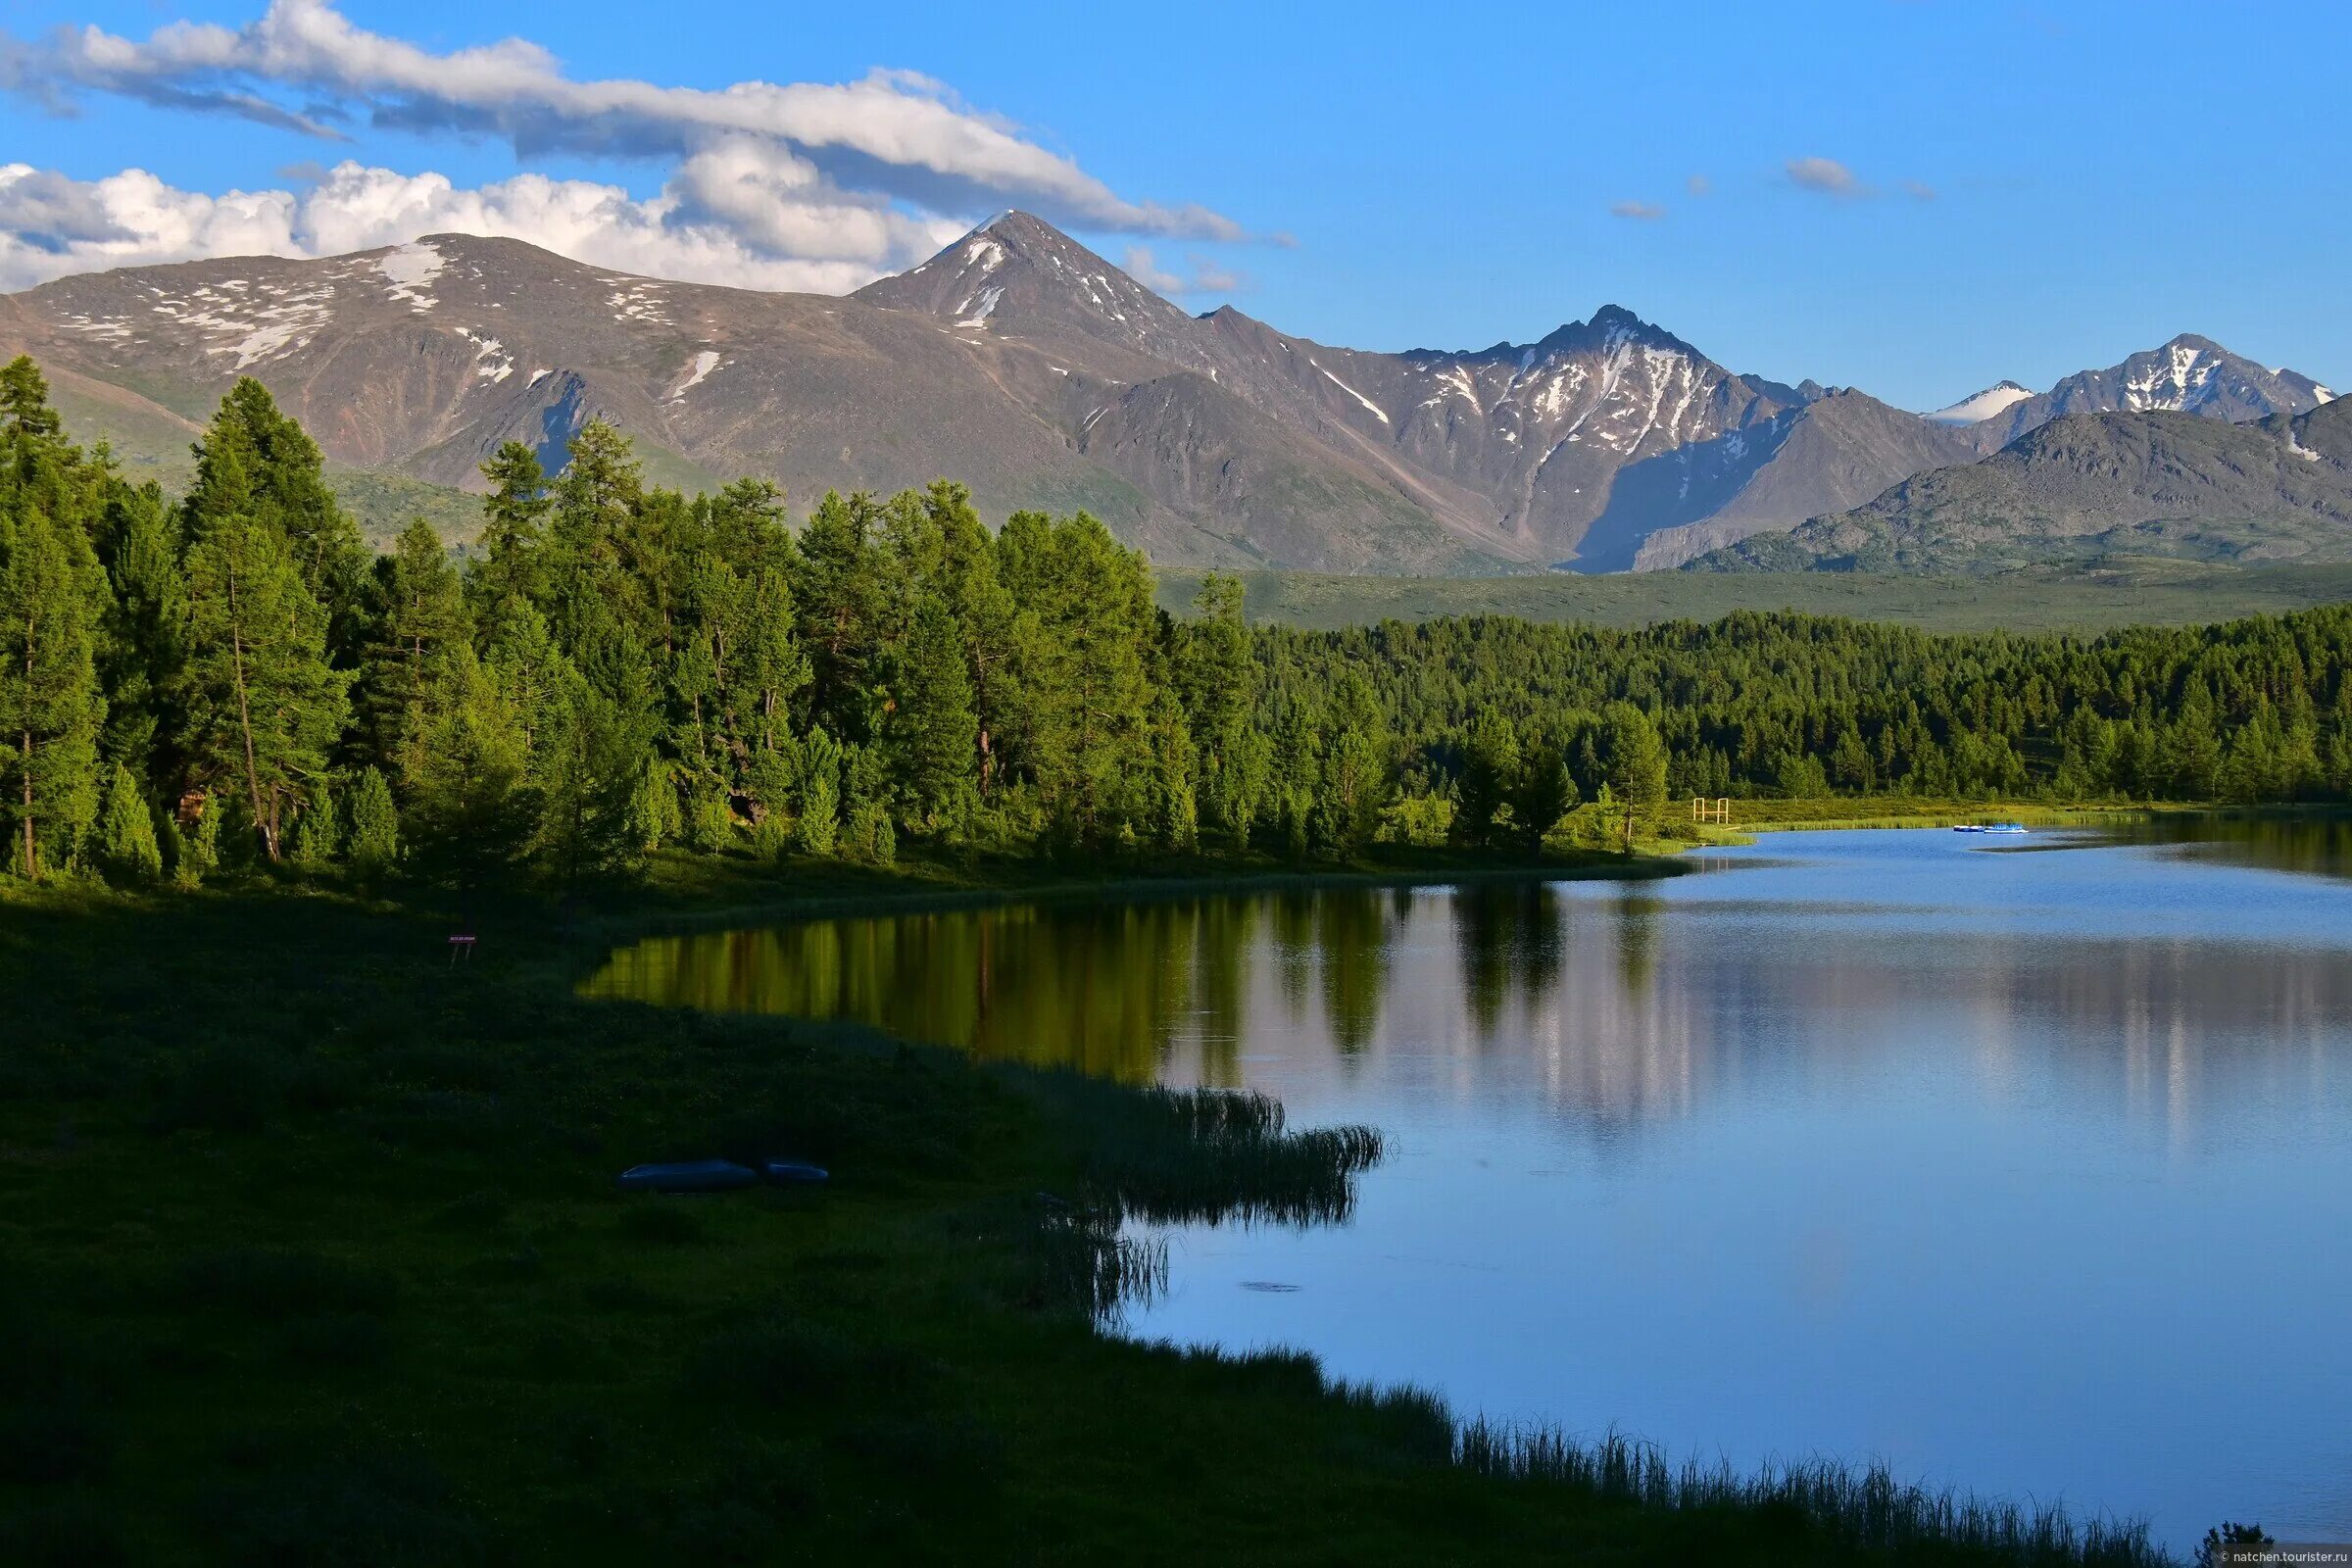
(2023, 1164)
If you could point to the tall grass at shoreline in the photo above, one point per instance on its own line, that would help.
(1207, 1155)
(1821, 1499)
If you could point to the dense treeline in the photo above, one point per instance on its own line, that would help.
(228, 677)
(2256, 710)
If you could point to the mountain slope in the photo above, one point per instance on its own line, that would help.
(1831, 454)
(2189, 375)
(2155, 482)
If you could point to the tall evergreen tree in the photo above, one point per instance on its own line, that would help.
(1490, 776)
(255, 460)
(126, 830)
(374, 847)
(266, 705)
(1636, 758)
(513, 529)
(1213, 678)
(934, 729)
(50, 706)
(144, 655)
(837, 590)
(420, 617)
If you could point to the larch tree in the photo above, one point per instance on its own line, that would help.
(514, 528)
(268, 706)
(279, 478)
(50, 703)
(932, 722)
(419, 617)
(52, 604)
(144, 655)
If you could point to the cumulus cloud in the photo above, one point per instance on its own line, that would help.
(814, 185)
(1205, 277)
(303, 64)
(51, 226)
(1826, 175)
(1641, 212)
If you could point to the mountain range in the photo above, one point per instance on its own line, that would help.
(2088, 486)
(1042, 375)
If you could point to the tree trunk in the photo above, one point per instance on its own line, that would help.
(32, 861)
(32, 865)
(265, 822)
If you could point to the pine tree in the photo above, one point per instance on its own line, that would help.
(256, 460)
(1354, 783)
(596, 498)
(1082, 666)
(774, 669)
(837, 593)
(268, 707)
(1213, 678)
(589, 756)
(934, 730)
(50, 705)
(143, 654)
(1545, 792)
(1491, 772)
(513, 529)
(374, 847)
(126, 830)
(820, 820)
(420, 617)
(317, 835)
(464, 771)
(1636, 758)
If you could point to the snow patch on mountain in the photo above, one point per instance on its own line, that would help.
(640, 301)
(697, 369)
(1376, 410)
(491, 361)
(411, 270)
(986, 299)
(2000, 396)
(2174, 382)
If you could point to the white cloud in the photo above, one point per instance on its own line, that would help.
(1700, 185)
(1205, 277)
(1824, 174)
(1641, 212)
(305, 67)
(51, 226)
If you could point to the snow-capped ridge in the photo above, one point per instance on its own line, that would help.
(1982, 404)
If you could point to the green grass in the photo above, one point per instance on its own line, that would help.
(2140, 592)
(313, 1255)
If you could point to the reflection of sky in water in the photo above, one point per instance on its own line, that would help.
(2027, 1170)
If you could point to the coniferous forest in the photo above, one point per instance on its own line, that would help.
(229, 678)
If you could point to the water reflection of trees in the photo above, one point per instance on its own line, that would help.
(1114, 989)
(1511, 940)
(1612, 1006)
(1106, 989)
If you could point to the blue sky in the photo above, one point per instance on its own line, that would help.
(2032, 191)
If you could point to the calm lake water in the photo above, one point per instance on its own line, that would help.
(2024, 1165)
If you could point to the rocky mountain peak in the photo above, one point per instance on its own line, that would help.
(1018, 274)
